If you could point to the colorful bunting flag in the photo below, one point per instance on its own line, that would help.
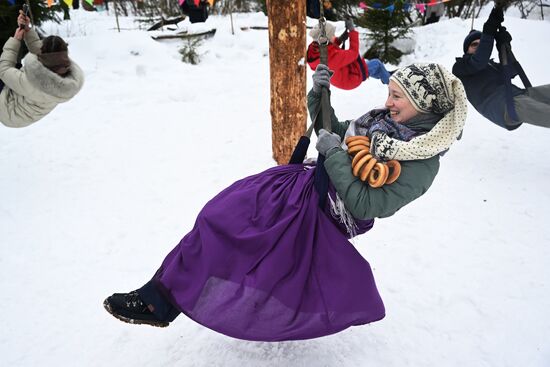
(421, 7)
(197, 2)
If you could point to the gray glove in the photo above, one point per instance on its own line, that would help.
(349, 25)
(321, 78)
(327, 141)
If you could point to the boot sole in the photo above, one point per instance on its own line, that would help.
(133, 321)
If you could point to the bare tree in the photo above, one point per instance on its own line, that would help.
(464, 8)
(526, 7)
(287, 52)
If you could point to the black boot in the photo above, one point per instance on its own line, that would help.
(129, 307)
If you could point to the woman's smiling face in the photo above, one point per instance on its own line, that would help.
(401, 109)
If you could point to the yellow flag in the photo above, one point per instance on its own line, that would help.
(68, 2)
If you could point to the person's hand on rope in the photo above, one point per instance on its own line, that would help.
(343, 38)
(349, 25)
(327, 141)
(19, 34)
(23, 20)
(503, 37)
(493, 22)
(321, 78)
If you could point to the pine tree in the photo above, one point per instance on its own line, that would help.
(345, 8)
(385, 27)
(9, 13)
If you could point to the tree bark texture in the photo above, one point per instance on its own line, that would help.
(287, 65)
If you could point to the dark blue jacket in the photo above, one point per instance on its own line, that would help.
(483, 80)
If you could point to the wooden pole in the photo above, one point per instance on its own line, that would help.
(116, 16)
(287, 66)
(473, 14)
(231, 16)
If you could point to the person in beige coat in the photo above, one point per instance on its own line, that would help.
(48, 77)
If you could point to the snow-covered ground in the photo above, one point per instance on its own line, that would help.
(95, 195)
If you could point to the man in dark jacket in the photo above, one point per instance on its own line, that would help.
(483, 80)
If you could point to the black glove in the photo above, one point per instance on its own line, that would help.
(349, 25)
(495, 19)
(503, 37)
(343, 37)
(497, 15)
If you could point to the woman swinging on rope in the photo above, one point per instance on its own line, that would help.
(48, 76)
(265, 262)
(488, 86)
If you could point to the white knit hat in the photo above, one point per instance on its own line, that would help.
(315, 32)
(431, 89)
(425, 86)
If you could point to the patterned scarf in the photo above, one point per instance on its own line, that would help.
(379, 120)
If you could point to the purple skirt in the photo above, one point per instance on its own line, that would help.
(264, 263)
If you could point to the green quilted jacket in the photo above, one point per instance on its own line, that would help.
(361, 200)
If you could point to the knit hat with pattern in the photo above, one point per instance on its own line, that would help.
(426, 88)
(431, 89)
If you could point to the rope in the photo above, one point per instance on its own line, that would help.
(325, 100)
(509, 65)
(323, 45)
(299, 153)
(321, 176)
(27, 10)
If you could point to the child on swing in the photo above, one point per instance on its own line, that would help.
(349, 68)
(48, 76)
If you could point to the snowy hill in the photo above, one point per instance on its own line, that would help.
(96, 194)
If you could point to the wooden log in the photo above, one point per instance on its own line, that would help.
(162, 22)
(258, 28)
(185, 35)
(287, 65)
